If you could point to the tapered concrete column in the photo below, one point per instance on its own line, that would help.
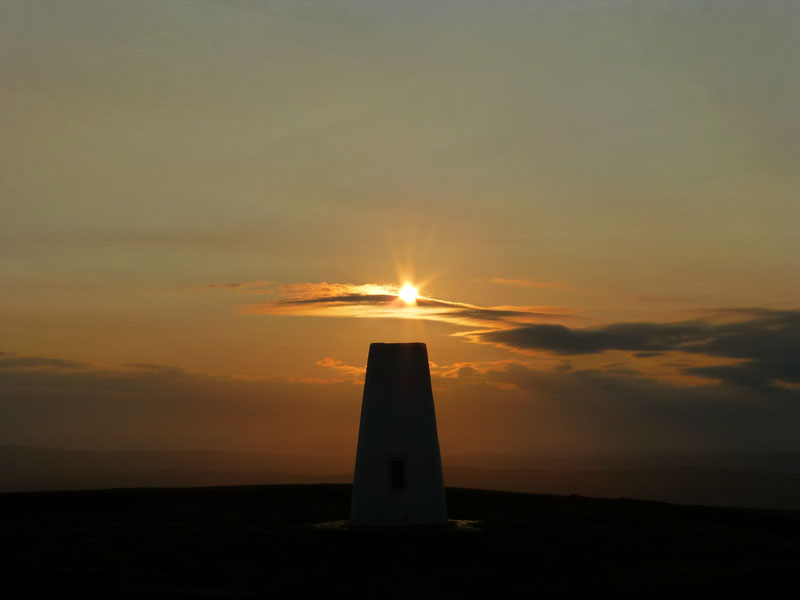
(398, 474)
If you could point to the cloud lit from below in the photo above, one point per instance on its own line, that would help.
(387, 301)
(742, 347)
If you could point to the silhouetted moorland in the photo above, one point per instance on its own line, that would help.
(755, 480)
(257, 540)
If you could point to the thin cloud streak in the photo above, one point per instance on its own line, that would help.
(383, 301)
(532, 283)
(9, 360)
(256, 287)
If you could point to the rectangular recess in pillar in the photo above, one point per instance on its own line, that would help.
(397, 474)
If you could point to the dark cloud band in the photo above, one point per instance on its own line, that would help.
(768, 343)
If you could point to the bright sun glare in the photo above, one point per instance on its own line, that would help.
(408, 293)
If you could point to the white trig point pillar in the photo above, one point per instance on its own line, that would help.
(398, 475)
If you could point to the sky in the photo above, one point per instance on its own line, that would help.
(210, 206)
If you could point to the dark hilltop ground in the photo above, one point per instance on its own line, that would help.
(257, 541)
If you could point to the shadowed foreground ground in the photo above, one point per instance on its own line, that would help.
(255, 540)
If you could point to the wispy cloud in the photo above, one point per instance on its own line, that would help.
(354, 371)
(9, 360)
(250, 286)
(531, 283)
(662, 299)
(383, 301)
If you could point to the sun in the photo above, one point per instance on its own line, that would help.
(408, 294)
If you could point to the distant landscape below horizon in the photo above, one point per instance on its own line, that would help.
(759, 480)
